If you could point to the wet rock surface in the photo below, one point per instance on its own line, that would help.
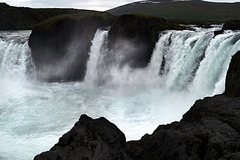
(233, 77)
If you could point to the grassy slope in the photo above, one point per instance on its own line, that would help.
(52, 23)
(15, 18)
(193, 11)
(25, 18)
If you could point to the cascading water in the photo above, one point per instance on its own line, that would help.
(15, 56)
(211, 74)
(96, 56)
(185, 65)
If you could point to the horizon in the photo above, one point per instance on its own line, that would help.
(89, 5)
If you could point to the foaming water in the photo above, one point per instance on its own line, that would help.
(185, 66)
(210, 77)
(15, 55)
(96, 56)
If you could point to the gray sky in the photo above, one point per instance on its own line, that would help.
(100, 5)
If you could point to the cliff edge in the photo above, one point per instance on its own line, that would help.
(60, 46)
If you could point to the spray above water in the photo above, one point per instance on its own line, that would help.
(185, 65)
(192, 61)
(96, 56)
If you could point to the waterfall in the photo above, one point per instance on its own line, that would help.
(160, 50)
(210, 76)
(104, 67)
(194, 60)
(185, 66)
(182, 60)
(15, 56)
(96, 56)
(177, 55)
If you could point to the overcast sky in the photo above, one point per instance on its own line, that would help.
(100, 5)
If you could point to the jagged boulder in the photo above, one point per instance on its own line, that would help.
(232, 87)
(89, 139)
(60, 45)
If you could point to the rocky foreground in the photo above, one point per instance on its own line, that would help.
(210, 130)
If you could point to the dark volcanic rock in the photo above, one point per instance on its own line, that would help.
(209, 130)
(10, 18)
(233, 77)
(232, 25)
(60, 46)
(89, 139)
(136, 36)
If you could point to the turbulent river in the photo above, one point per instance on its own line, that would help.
(185, 66)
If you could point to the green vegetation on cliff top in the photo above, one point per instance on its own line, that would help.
(53, 22)
(156, 22)
(195, 11)
(185, 11)
(19, 18)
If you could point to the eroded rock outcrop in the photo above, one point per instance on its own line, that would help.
(60, 46)
(232, 87)
(136, 36)
(89, 139)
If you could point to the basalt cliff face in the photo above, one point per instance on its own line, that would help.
(233, 77)
(142, 32)
(60, 46)
(210, 130)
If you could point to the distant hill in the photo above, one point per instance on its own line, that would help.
(183, 10)
(18, 18)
